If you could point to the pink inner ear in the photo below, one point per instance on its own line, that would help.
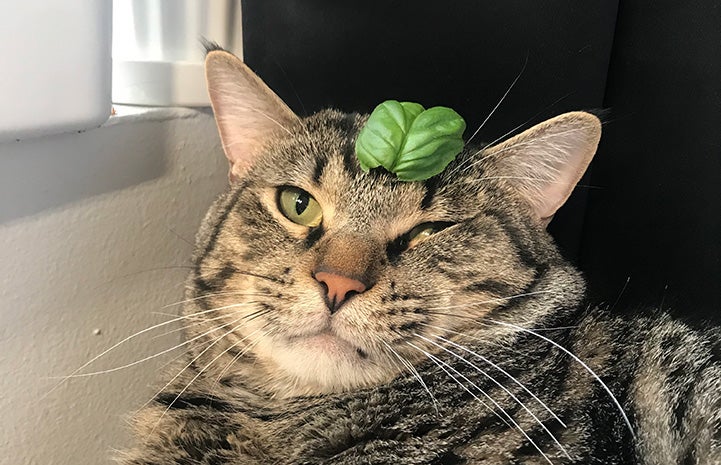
(578, 151)
(545, 162)
(247, 112)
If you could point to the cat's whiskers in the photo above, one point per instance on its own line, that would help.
(500, 385)
(563, 349)
(579, 361)
(237, 357)
(499, 368)
(467, 163)
(128, 338)
(442, 365)
(208, 347)
(409, 366)
(499, 102)
(202, 370)
(494, 365)
(163, 352)
(215, 294)
(201, 321)
(515, 424)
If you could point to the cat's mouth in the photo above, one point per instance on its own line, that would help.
(327, 342)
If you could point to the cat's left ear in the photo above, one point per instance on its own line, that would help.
(544, 163)
(246, 110)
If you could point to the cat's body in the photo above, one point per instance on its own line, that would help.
(358, 339)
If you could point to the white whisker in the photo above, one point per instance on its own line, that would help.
(500, 101)
(510, 418)
(237, 357)
(579, 361)
(496, 366)
(414, 372)
(215, 341)
(203, 369)
(198, 322)
(500, 385)
(441, 364)
(150, 357)
(132, 336)
(506, 390)
(217, 294)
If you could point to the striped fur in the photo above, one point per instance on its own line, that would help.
(473, 309)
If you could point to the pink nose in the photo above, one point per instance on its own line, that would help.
(338, 288)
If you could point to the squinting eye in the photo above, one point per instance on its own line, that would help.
(422, 232)
(299, 206)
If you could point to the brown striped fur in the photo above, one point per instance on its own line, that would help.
(472, 309)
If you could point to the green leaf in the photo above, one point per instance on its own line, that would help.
(409, 141)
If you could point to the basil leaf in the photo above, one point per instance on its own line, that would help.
(380, 140)
(409, 141)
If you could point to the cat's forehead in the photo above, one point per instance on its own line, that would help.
(319, 157)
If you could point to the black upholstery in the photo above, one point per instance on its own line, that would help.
(657, 216)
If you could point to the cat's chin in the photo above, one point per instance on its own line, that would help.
(322, 363)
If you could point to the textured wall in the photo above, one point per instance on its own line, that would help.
(93, 231)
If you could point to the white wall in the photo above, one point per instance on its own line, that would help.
(93, 231)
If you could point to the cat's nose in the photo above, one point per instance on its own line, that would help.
(338, 288)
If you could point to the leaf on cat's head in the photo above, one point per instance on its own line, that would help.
(410, 141)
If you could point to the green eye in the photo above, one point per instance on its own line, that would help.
(422, 232)
(299, 206)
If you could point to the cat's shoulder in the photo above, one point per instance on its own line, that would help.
(654, 341)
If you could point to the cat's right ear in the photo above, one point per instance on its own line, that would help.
(246, 111)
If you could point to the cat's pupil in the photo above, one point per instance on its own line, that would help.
(301, 203)
(403, 243)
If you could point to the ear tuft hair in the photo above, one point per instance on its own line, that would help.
(211, 46)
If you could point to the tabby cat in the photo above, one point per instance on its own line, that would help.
(338, 316)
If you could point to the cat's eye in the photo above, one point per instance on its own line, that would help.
(299, 206)
(415, 236)
(422, 232)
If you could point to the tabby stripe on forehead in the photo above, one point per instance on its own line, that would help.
(350, 162)
(431, 186)
(320, 165)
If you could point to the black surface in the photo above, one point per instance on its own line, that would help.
(354, 55)
(657, 216)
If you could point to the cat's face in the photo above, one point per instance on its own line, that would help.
(329, 278)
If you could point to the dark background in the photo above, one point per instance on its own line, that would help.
(645, 226)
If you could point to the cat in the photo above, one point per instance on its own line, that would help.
(339, 316)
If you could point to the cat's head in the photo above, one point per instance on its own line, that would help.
(330, 278)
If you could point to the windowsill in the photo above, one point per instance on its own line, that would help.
(131, 113)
